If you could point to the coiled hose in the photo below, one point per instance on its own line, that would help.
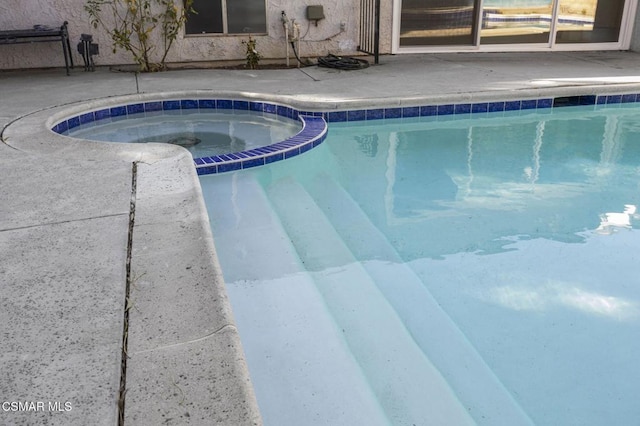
(333, 61)
(342, 63)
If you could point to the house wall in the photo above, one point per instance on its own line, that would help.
(327, 37)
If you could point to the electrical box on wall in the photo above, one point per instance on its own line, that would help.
(315, 13)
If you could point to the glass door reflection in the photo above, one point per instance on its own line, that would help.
(516, 21)
(589, 21)
(437, 22)
(541, 23)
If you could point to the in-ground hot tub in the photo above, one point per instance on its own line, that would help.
(221, 134)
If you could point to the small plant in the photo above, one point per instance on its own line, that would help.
(136, 23)
(252, 55)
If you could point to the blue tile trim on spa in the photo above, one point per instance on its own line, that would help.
(314, 130)
(313, 133)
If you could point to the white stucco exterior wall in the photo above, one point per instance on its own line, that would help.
(327, 37)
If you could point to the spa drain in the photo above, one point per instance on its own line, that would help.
(185, 141)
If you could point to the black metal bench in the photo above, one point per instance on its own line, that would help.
(41, 34)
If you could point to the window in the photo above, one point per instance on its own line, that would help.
(227, 17)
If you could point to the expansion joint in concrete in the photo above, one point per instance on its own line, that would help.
(61, 222)
(127, 301)
(137, 83)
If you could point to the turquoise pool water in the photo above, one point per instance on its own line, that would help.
(442, 270)
(204, 132)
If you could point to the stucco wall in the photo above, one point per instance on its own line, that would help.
(327, 37)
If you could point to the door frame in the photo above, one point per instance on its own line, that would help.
(626, 32)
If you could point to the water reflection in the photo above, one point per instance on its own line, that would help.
(611, 222)
(471, 182)
(562, 295)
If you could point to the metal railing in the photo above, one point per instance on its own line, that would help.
(369, 36)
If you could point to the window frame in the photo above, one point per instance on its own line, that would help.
(225, 23)
(623, 43)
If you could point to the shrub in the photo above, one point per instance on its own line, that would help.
(252, 55)
(137, 23)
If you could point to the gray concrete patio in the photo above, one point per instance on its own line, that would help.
(95, 236)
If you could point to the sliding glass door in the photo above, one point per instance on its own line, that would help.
(437, 22)
(589, 21)
(485, 23)
(516, 22)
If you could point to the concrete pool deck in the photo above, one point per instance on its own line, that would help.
(95, 235)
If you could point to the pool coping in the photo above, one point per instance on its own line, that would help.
(314, 123)
(29, 134)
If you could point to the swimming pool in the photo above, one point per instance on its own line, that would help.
(442, 270)
(203, 132)
(221, 134)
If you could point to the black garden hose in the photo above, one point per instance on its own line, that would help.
(342, 62)
(332, 61)
(295, 52)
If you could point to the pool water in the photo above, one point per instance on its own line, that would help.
(204, 133)
(442, 271)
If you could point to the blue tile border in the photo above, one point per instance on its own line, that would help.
(313, 133)
(314, 123)
(314, 129)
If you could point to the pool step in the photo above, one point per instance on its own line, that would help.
(244, 227)
(410, 389)
(434, 331)
(307, 374)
